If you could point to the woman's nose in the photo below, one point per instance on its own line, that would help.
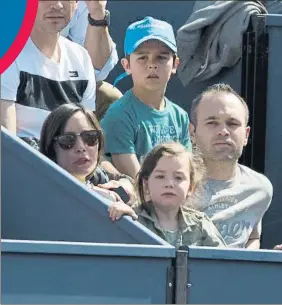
(80, 145)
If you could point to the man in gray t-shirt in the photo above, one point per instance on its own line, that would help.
(235, 197)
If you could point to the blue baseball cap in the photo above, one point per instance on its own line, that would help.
(147, 29)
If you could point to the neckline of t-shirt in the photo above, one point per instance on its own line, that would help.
(224, 184)
(148, 108)
(45, 58)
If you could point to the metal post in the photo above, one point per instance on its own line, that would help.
(254, 90)
(181, 277)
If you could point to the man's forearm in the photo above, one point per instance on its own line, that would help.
(8, 116)
(98, 42)
(253, 244)
(108, 166)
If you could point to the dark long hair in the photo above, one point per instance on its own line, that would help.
(55, 123)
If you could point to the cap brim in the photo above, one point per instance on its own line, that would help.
(154, 37)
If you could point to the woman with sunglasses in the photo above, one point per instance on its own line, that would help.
(72, 138)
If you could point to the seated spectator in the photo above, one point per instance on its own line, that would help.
(50, 71)
(168, 177)
(235, 197)
(106, 94)
(95, 36)
(144, 117)
(72, 138)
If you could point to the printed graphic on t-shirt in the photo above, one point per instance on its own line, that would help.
(229, 218)
(162, 134)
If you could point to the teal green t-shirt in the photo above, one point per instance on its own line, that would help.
(132, 127)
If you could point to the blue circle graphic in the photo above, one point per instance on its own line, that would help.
(11, 19)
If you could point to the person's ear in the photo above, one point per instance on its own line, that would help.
(126, 65)
(248, 130)
(192, 133)
(175, 65)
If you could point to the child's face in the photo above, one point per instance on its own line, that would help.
(168, 186)
(151, 65)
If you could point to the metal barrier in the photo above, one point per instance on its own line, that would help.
(37, 272)
(67, 273)
(225, 276)
(41, 201)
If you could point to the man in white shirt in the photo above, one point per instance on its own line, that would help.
(234, 196)
(52, 70)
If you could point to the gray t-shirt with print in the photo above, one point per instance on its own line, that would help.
(237, 206)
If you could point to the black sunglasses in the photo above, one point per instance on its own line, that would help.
(90, 137)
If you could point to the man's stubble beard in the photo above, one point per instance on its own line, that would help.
(219, 156)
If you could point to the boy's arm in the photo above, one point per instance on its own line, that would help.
(127, 164)
(120, 130)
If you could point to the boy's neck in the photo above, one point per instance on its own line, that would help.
(168, 219)
(154, 99)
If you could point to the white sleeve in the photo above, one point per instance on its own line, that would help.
(77, 33)
(78, 24)
(89, 96)
(110, 64)
(10, 81)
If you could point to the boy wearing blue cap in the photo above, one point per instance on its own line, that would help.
(144, 117)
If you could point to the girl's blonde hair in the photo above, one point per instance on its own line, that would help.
(173, 149)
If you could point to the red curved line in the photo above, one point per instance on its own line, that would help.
(22, 37)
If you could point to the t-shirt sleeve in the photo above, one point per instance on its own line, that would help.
(89, 96)
(119, 131)
(256, 233)
(10, 82)
(78, 24)
(77, 33)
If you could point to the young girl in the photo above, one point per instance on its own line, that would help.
(168, 177)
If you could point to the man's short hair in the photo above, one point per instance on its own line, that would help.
(216, 88)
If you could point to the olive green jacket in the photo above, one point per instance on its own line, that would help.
(195, 227)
